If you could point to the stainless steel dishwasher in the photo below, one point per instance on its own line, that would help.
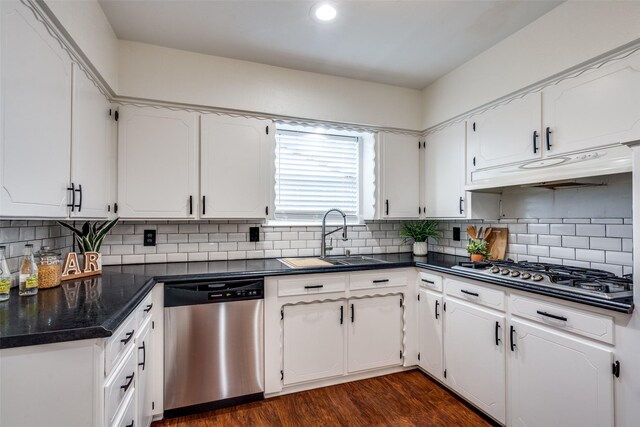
(213, 344)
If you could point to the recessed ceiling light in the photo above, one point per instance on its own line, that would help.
(324, 12)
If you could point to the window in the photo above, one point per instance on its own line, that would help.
(317, 170)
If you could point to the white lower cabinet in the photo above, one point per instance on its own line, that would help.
(475, 356)
(313, 341)
(375, 333)
(144, 392)
(430, 344)
(558, 380)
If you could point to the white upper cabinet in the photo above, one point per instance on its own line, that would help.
(597, 108)
(475, 356)
(313, 346)
(35, 114)
(506, 134)
(157, 163)
(558, 380)
(399, 176)
(375, 332)
(445, 172)
(430, 343)
(91, 149)
(236, 167)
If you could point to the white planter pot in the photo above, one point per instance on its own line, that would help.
(420, 248)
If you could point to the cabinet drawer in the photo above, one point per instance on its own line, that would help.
(119, 385)
(491, 298)
(127, 414)
(430, 281)
(119, 343)
(143, 311)
(377, 279)
(596, 326)
(310, 285)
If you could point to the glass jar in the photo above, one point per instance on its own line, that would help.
(49, 268)
(28, 273)
(5, 276)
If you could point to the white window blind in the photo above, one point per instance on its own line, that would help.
(316, 172)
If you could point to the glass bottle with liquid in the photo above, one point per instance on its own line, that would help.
(28, 273)
(5, 276)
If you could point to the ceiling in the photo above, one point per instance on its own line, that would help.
(403, 43)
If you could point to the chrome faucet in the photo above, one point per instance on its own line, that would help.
(323, 244)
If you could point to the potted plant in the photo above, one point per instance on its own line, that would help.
(419, 232)
(478, 249)
(89, 238)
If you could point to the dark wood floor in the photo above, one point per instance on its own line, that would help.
(404, 399)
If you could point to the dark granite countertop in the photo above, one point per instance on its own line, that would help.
(94, 308)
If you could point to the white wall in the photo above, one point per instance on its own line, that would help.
(88, 26)
(159, 73)
(570, 34)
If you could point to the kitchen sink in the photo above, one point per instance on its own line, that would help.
(312, 262)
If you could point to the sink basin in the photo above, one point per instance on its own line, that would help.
(312, 262)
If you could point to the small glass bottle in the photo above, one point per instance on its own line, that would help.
(28, 273)
(5, 276)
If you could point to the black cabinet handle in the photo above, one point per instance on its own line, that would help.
(115, 208)
(126, 340)
(437, 313)
(341, 314)
(428, 281)
(144, 356)
(548, 132)
(535, 141)
(190, 205)
(204, 204)
(460, 205)
(386, 203)
(128, 384)
(497, 333)
(79, 190)
(314, 286)
(512, 330)
(464, 291)
(148, 309)
(132, 424)
(553, 316)
(72, 205)
(353, 314)
(381, 281)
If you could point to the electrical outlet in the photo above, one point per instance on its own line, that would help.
(254, 234)
(456, 234)
(149, 237)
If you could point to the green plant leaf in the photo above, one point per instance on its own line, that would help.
(86, 228)
(420, 231)
(70, 227)
(106, 227)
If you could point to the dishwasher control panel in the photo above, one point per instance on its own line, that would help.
(233, 294)
(208, 292)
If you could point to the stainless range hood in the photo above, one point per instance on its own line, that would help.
(560, 170)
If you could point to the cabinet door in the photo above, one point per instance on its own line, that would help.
(91, 147)
(35, 114)
(474, 356)
(594, 109)
(157, 163)
(375, 333)
(400, 176)
(445, 172)
(430, 332)
(235, 164)
(144, 407)
(505, 134)
(555, 379)
(313, 346)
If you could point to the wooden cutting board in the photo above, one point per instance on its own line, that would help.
(498, 243)
(305, 262)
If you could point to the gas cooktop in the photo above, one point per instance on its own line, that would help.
(585, 281)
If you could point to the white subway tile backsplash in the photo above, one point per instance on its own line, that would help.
(538, 250)
(177, 238)
(627, 245)
(625, 231)
(563, 253)
(615, 269)
(575, 241)
(549, 240)
(621, 258)
(606, 243)
(573, 263)
(563, 229)
(527, 239)
(537, 229)
(592, 230)
(590, 255)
